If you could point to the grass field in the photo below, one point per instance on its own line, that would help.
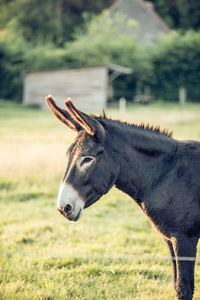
(111, 252)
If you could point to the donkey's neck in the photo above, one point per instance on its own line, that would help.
(142, 156)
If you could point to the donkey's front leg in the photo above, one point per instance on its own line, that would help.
(170, 247)
(185, 252)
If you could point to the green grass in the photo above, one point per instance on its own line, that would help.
(111, 252)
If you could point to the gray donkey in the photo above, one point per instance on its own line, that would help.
(160, 173)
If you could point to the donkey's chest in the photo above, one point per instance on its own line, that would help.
(161, 222)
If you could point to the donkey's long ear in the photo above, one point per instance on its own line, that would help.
(91, 126)
(62, 114)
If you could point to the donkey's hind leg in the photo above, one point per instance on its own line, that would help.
(173, 259)
(185, 252)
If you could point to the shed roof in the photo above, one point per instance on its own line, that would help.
(149, 24)
(119, 69)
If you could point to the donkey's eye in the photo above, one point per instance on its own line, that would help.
(86, 160)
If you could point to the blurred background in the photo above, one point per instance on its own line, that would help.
(158, 41)
(141, 62)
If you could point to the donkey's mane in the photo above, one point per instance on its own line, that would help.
(154, 128)
(147, 127)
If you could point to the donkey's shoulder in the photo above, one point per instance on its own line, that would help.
(189, 147)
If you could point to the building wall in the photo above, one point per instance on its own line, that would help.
(149, 25)
(87, 87)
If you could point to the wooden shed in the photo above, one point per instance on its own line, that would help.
(89, 87)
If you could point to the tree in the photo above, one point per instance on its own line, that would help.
(179, 14)
(105, 41)
(176, 63)
(48, 20)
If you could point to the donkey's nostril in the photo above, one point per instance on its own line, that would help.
(67, 208)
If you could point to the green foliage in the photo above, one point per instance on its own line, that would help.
(47, 20)
(96, 44)
(17, 57)
(176, 63)
(100, 41)
(106, 41)
(11, 70)
(179, 14)
(56, 21)
(45, 57)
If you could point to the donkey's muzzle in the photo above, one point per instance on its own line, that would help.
(70, 204)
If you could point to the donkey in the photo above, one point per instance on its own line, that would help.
(160, 173)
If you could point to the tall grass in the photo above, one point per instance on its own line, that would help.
(111, 252)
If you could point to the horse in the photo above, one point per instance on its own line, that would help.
(160, 173)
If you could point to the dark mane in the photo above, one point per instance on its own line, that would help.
(154, 128)
(149, 127)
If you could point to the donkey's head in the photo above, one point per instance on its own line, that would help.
(90, 171)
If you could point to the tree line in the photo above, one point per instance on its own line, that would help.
(56, 21)
(42, 35)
